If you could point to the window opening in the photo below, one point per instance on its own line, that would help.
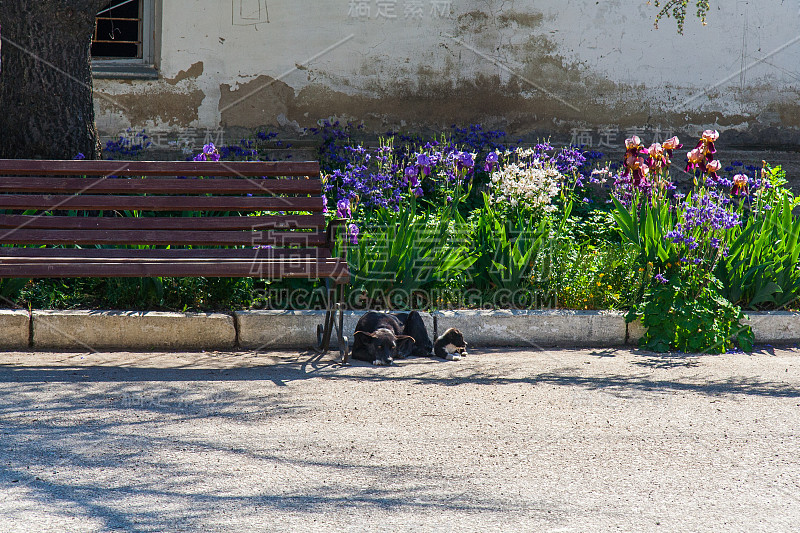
(118, 31)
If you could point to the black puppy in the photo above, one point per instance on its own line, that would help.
(451, 345)
(414, 326)
(380, 338)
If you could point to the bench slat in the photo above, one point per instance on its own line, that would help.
(16, 255)
(158, 203)
(166, 223)
(161, 237)
(155, 185)
(159, 168)
(273, 269)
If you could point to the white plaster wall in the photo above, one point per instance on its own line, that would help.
(585, 54)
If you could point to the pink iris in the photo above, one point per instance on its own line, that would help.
(740, 182)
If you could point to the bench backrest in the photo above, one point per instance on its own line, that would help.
(158, 192)
(123, 204)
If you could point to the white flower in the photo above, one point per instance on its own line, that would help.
(525, 180)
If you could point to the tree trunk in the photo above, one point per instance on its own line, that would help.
(46, 105)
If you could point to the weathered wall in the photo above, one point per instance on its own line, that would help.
(579, 67)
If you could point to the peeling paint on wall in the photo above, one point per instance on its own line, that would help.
(193, 72)
(549, 68)
(255, 103)
(151, 107)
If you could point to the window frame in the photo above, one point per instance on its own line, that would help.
(135, 68)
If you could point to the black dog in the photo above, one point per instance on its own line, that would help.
(380, 338)
(451, 345)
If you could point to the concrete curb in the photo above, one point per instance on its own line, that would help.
(778, 327)
(536, 328)
(15, 329)
(635, 332)
(132, 330)
(263, 330)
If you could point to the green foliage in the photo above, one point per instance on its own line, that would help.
(506, 249)
(688, 311)
(402, 255)
(10, 290)
(595, 225)
(689, 315)
(761, 270)
(677, 9)
(645, 227)
(174, 294)
(589, 276)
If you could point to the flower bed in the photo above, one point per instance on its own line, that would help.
(470, 220)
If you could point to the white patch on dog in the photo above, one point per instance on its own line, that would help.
(453, 357)
(377, 363)
(451, 348)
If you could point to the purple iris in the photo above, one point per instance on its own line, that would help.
(465, 160)
(491, 161)
(411, 176)
(79, 156)
(424, 162)
(343, 209)
(661, 279)
(352, 231)
(211, 153)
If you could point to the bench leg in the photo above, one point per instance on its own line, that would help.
(344, 348)
(324, 331)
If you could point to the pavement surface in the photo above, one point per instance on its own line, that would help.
(563, 440)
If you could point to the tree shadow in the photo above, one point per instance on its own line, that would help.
(610, 352)
(308, 366)
(113, 457)
(124, 403)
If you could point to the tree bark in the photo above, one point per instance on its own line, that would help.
(46, 104)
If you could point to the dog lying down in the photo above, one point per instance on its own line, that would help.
(380, 338)
(451, 345)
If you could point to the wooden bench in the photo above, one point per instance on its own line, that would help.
(64, 219)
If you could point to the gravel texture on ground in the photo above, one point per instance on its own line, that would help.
(561, 440)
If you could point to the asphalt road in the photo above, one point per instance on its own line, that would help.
(610, 440)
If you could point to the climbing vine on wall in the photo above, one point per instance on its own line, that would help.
(677, 9)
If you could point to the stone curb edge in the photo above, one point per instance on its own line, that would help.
(262, 330)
